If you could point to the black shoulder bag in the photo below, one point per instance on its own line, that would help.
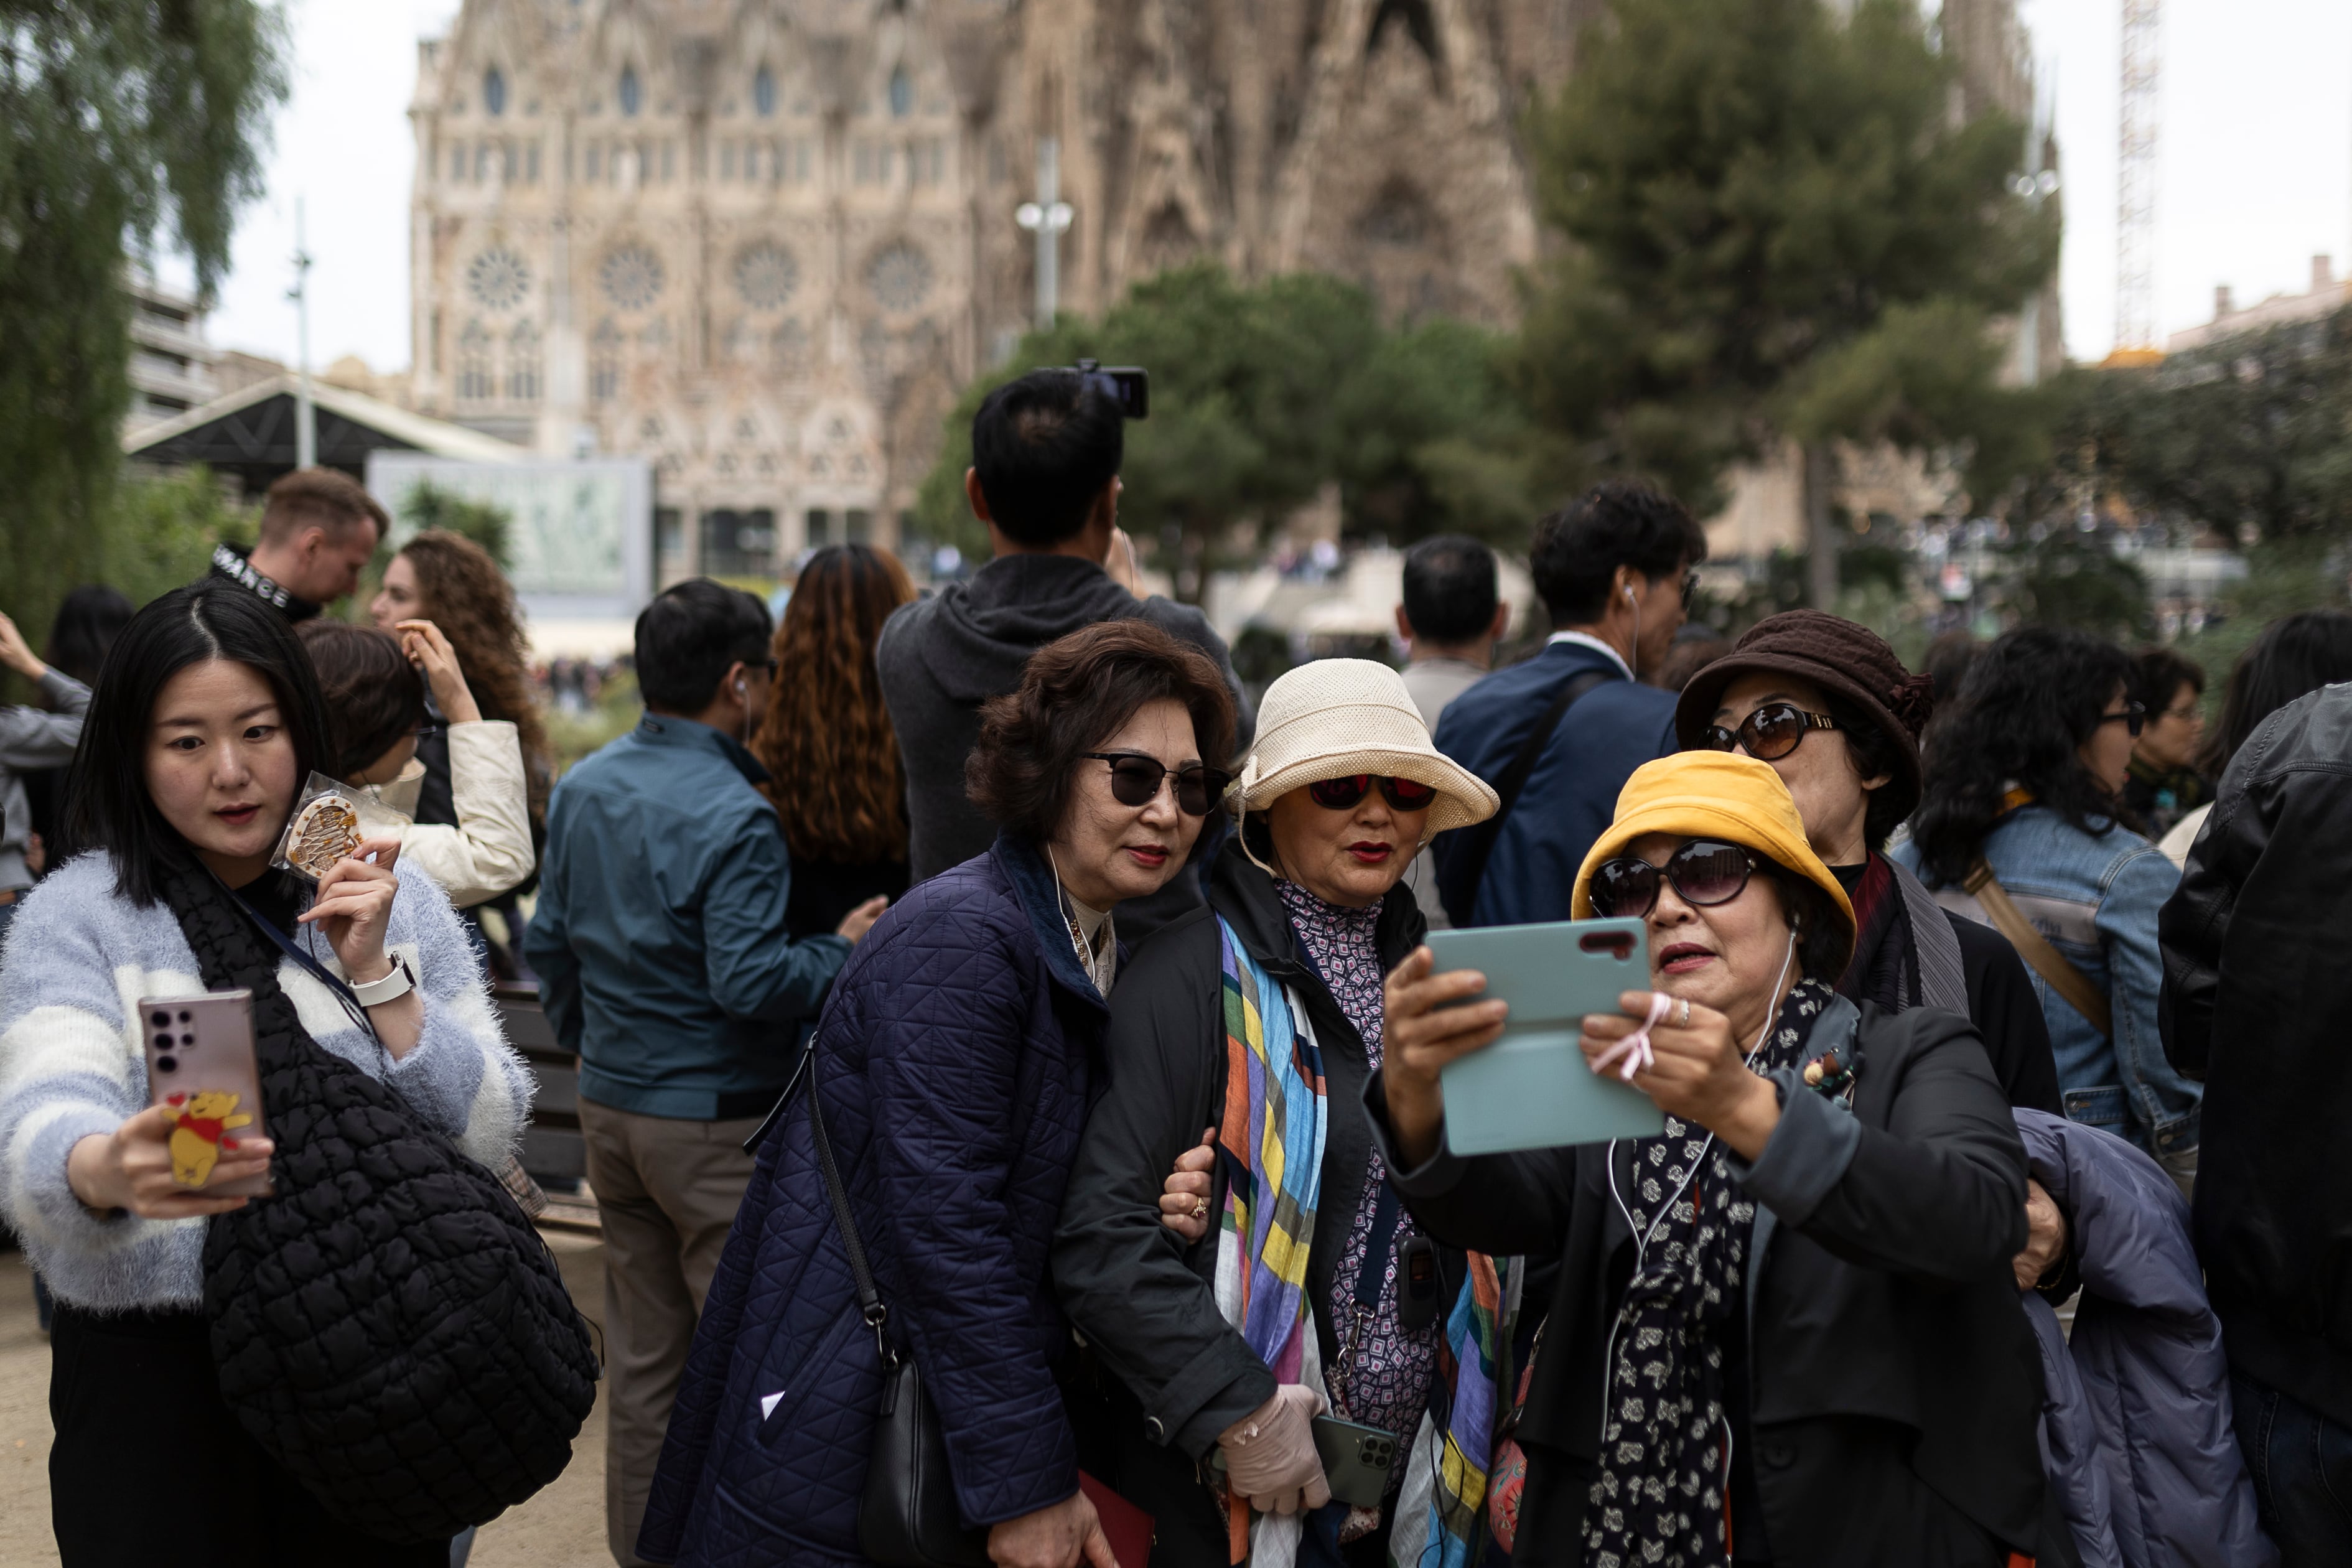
(907, 1517)
(389, 1327)
(1469, 870)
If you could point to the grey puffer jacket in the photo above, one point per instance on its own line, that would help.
(2137, 1437)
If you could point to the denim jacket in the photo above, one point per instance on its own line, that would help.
(2094, 896)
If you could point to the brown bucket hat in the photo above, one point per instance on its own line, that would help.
(1848, 660)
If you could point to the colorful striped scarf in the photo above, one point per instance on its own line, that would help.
(1270, 1147)
(1270, 1144)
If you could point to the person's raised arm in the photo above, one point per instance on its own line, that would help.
(755, 970)
(1505, 1205)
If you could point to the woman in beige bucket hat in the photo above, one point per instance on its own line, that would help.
(1303, 1285)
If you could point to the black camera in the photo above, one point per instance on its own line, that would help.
(1128, 385)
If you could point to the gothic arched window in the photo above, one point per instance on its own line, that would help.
(474, 381)
(604, 362)
(902, 95)
(763, 91)
(522, 364)
(494, 92)
(632, 96)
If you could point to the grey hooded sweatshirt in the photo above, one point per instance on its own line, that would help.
(941, 657)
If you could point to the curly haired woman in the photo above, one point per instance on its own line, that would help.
(450, 580)
(2022, 800)
(446, 581)
(825, 738)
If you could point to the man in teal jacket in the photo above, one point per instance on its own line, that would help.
(662, 960)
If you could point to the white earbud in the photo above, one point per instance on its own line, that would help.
(1629, 594)
(740, 690)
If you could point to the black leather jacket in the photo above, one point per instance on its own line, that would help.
(2256, 993)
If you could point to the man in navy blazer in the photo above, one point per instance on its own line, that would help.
(1612, 569)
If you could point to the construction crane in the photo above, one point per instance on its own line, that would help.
(2137, 119)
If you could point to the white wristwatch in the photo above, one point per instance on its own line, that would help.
(393, 986)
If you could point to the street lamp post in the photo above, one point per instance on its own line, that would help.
(306, 421)
(1046, 218)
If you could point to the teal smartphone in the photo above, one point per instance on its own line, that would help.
(1531, 1089)
(1357, 1460)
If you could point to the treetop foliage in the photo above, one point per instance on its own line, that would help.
(122, 124)
(1776, 228)
(1260, 396)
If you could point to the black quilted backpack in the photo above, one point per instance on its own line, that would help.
(389, 1327)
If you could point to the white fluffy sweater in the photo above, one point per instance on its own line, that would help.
(79, 958)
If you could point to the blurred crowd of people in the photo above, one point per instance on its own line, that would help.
(1012, 1071)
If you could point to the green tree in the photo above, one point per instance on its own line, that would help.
(487, 524)
(120, 124)
(2069, 578)
(2250, 436)
(1775, 230)
(1260, 395)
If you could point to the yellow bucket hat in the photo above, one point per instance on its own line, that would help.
(1711, 794)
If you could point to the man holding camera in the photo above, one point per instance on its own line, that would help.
(1045, 453)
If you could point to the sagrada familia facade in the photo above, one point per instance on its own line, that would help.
(762, 243)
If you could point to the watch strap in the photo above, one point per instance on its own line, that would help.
(393, 986)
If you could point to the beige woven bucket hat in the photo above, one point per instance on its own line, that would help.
(1340, 716)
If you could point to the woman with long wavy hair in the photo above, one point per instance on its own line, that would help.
(450, 580)
(2021, 805)
(825, 738)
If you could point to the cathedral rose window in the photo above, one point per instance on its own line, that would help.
(899, 277)
(631, 276)
(766, 274)
(498, 279)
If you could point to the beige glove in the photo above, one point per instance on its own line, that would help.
(1270, 1455)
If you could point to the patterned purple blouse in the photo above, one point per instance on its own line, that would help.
(1383, 1374)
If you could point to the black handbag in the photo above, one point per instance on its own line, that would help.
(907, 1516)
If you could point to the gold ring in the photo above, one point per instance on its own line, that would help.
(1200, 1208)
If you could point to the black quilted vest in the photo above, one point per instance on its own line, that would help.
(389, 1327)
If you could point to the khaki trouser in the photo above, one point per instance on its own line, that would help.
(666, 1192)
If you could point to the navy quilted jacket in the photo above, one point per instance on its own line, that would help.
(958, 1059)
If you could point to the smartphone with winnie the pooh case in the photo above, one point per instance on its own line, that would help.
(200, 1063)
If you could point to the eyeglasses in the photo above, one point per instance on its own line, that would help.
(1343, 794)
(2134, 717)
(1690, 588)
(1770, 733)
(1135, 779)
(1704, 872)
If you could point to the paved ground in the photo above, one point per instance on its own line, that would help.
(563, 1527)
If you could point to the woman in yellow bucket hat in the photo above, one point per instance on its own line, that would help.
(1785, 1330)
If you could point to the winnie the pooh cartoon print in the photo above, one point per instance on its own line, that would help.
(201, 1131)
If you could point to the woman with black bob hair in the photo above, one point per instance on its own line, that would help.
(205, 725)
(949, 1078)
(2021, 808)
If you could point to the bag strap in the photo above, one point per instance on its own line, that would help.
(1374, 1273)
(869, 1300)
(2064, 978)
(1481, 847)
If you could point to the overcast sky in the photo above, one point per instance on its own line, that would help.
(2256, 152)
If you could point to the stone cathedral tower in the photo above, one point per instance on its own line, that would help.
(762, 243)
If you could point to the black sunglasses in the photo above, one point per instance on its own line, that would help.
(1135, 779)
(1704, 872)
(2134, 716)
(1770, 733)
(1343, 794)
